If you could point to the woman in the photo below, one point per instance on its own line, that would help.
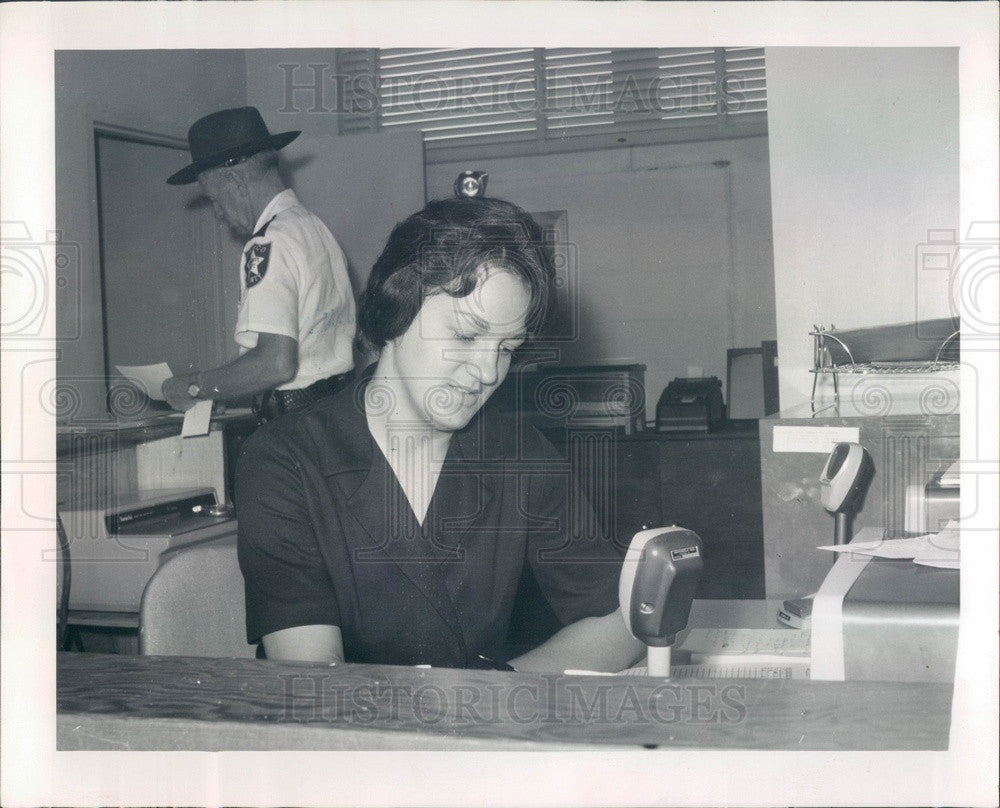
(391, 523)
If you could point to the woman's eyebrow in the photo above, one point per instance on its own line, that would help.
(474, 319)
(485, 327)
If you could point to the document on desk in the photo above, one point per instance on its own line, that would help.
(727, 672)
(747, 646)
(148, 378)
(939, 549)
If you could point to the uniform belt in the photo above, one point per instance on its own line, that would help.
(274, 403)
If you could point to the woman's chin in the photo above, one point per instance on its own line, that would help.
(453, 423)
(457, 419)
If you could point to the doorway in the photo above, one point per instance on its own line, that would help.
(166, 293)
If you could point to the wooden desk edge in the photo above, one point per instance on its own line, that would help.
(108, 702)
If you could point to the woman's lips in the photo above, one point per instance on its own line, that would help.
(468, 395)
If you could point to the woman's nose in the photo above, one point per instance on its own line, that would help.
(486, 365)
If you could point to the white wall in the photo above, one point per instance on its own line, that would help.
(155, 91)
(864, 162)
(361, 185)
(661, 281)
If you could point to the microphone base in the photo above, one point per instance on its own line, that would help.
(658, 660)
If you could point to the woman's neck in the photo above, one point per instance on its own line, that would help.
(392, 424)
(418, 441)
(415, 451)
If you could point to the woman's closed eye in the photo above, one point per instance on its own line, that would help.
(505, 348)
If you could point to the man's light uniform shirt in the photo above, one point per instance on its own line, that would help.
(294, 281)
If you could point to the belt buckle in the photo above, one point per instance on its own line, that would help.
(267, 406)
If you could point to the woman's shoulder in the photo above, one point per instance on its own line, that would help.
(328, 433)
(512, 435)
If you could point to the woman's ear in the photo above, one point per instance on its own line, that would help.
(388, 350)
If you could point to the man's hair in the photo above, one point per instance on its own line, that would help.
(444, 248)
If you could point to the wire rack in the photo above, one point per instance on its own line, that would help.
(824, 364)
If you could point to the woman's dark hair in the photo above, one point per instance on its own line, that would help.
(443, 248)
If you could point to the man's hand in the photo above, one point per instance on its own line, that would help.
(175, 391)
(272, 362)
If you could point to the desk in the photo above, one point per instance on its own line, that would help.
(71, 438)
(97, 461)
(905, 449)
(708, 482)
(181, 703)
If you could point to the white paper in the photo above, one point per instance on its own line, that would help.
(881, 548)
(813, 439)
(827, 650)
(943, 563)
(932, 549)
(197, 420)
(746, 642)
(952, 475)
(732, 671)
(942, 550)
(948, 537)
(148, 378)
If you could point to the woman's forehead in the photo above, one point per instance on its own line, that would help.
(499, 303)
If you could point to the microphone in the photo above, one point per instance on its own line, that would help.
(659, 577)
(843, 484)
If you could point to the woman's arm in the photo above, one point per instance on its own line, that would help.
(290, 601)
(593, 643)
(305, 644)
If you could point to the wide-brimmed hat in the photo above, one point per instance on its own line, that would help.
(226, 135)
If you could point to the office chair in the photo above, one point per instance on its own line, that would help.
(193, 605)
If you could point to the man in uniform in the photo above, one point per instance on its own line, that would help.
(296, 318)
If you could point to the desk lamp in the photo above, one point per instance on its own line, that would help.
(842, 487)
(658, 580)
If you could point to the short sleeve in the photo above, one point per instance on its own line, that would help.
(270, 289)
(286, 580)
(572, 557)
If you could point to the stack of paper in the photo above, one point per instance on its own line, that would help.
(747, 646)
(932, 549)
(744, 671)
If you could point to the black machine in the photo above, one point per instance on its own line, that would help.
(688, 405)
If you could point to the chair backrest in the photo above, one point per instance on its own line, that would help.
(193, 605)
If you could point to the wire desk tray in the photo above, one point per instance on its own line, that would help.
(823, 362)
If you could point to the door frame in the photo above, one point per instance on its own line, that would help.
(212, 353)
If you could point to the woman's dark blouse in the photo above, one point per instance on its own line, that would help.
(326, 536)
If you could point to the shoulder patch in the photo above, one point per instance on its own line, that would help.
(255, 263)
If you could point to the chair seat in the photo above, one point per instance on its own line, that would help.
(194, 604)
